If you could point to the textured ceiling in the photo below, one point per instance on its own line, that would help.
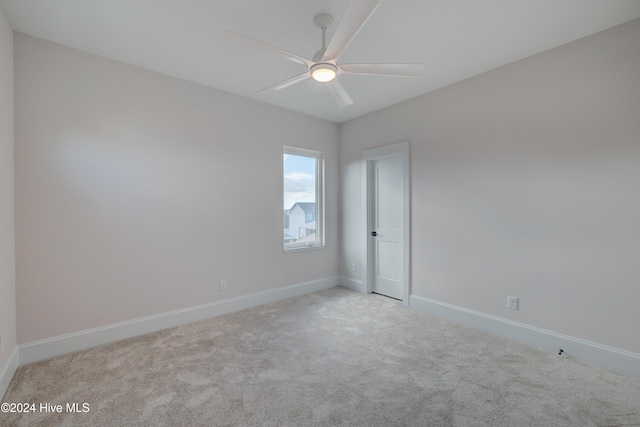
(455, 39)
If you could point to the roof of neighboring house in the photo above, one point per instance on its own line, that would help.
(307, 207)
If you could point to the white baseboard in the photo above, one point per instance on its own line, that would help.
(7, 373)
(44, 349)
(613, 358)
(353, 284)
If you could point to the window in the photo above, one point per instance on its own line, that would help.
(303, 198)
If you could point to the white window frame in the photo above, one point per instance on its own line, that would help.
(319, 243)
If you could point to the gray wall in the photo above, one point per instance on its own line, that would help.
(7, 251)
(137, 192)
(525, 182)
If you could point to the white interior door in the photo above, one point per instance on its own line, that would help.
(387, 228)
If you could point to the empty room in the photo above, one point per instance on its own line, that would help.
(336, 212)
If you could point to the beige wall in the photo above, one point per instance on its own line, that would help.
(7, 250)
(137, 192)
(525, 182)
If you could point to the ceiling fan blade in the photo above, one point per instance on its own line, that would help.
(256, 44)
(339, 93)
(353, 19)
(400, 70)
(286, 83)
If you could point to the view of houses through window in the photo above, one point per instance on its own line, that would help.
(302, 181)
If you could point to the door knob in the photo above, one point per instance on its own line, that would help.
(374, 233)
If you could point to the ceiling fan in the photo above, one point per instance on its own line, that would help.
(324, 67)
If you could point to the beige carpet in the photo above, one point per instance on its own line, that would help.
(333, 358)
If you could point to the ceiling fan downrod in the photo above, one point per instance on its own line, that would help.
(323, 22)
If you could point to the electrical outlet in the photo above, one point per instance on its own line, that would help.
(354, 267)
(512, 303)
(223, 284)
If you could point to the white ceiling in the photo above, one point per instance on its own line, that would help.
(455, 39)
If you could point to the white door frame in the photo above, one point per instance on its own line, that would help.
(368, 157)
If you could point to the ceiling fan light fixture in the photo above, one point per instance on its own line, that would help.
(323, 72)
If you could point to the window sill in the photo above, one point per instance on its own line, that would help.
(303, 248)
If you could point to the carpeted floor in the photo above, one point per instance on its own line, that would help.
(332, 358)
